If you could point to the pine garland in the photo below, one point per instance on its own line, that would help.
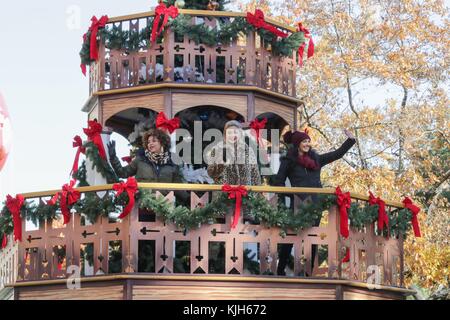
(102, 166)
(255, 206)
(132, 41)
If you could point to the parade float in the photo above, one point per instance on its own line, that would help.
(131, 240)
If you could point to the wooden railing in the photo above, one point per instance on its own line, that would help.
(141, 243)
(246, 61)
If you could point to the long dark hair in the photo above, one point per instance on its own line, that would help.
(294, 156)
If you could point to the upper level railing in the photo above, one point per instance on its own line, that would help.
(175, 58)
(143, 243)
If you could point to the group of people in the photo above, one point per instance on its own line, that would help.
(301, 164)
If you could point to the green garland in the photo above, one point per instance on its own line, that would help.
(132, 41)
(102, 166)
(255, 207)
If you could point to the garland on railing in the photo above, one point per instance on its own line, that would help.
(226, 32)
(255, 207)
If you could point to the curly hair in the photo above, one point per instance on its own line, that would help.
(160, 135)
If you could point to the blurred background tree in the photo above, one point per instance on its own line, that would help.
(381, 69)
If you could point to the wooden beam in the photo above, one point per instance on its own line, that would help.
(199, 278)
(243, 88)
(202, 187)
(200, 13)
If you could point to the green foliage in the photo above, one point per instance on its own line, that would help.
(400, 222)
(362, 215)
(102, 166)
(94, 207)
(81, 176)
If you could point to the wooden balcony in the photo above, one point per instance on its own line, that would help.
(140, 254)
(247, 62)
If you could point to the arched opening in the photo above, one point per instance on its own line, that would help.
(210, 117)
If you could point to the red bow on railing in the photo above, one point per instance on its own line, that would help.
(301, 50)
(343, 201)
(93, 133)
(258, 126)
(383, 219)
(14, 205)
(67, 197)
(95, 26)
(235, 193)
(160, 10)
(258, 21)
(4, 241)
(415, 211)
(77, 143)
(163, 123)
(130, 187)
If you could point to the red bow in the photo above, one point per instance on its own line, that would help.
(344, 201)
(383, 219)
(258, 126)
(258, 21)
(161, 9)
(347, 256)
(130, 187)
(4, 241)
(307, 34)
(415, 211)
(77, 143)
(95, 26)
(163, 123)
(235, 193)
(14, 205)
(127, 159)
(93, 133)
(68, 196)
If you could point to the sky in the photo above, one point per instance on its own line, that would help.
(41, 82)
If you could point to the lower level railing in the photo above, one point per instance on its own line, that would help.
(162, 236)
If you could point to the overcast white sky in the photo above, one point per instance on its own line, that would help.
(44, 89)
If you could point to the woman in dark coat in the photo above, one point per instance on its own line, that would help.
(152, 164)
(303, 165)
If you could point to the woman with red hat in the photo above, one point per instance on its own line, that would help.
(303, 165)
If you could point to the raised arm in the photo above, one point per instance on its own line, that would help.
(329, 157)
(122, 172)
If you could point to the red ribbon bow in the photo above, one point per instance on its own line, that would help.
(307, 34)
(14, 205)
(4, 241)
(344, 201)
(258, 126)
(163, 123)
(160, 10)
(93, 133)
(67, 197)
(383, 219)
(130, 187)
(258, 21)
(77, 143)
(235, 193)
(95, 26)
(415, 211)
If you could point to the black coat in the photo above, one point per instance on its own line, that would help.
(299, 176)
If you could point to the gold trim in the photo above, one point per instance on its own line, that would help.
(200, 13)
(196, 86)
(201, 187)
(212, 278)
